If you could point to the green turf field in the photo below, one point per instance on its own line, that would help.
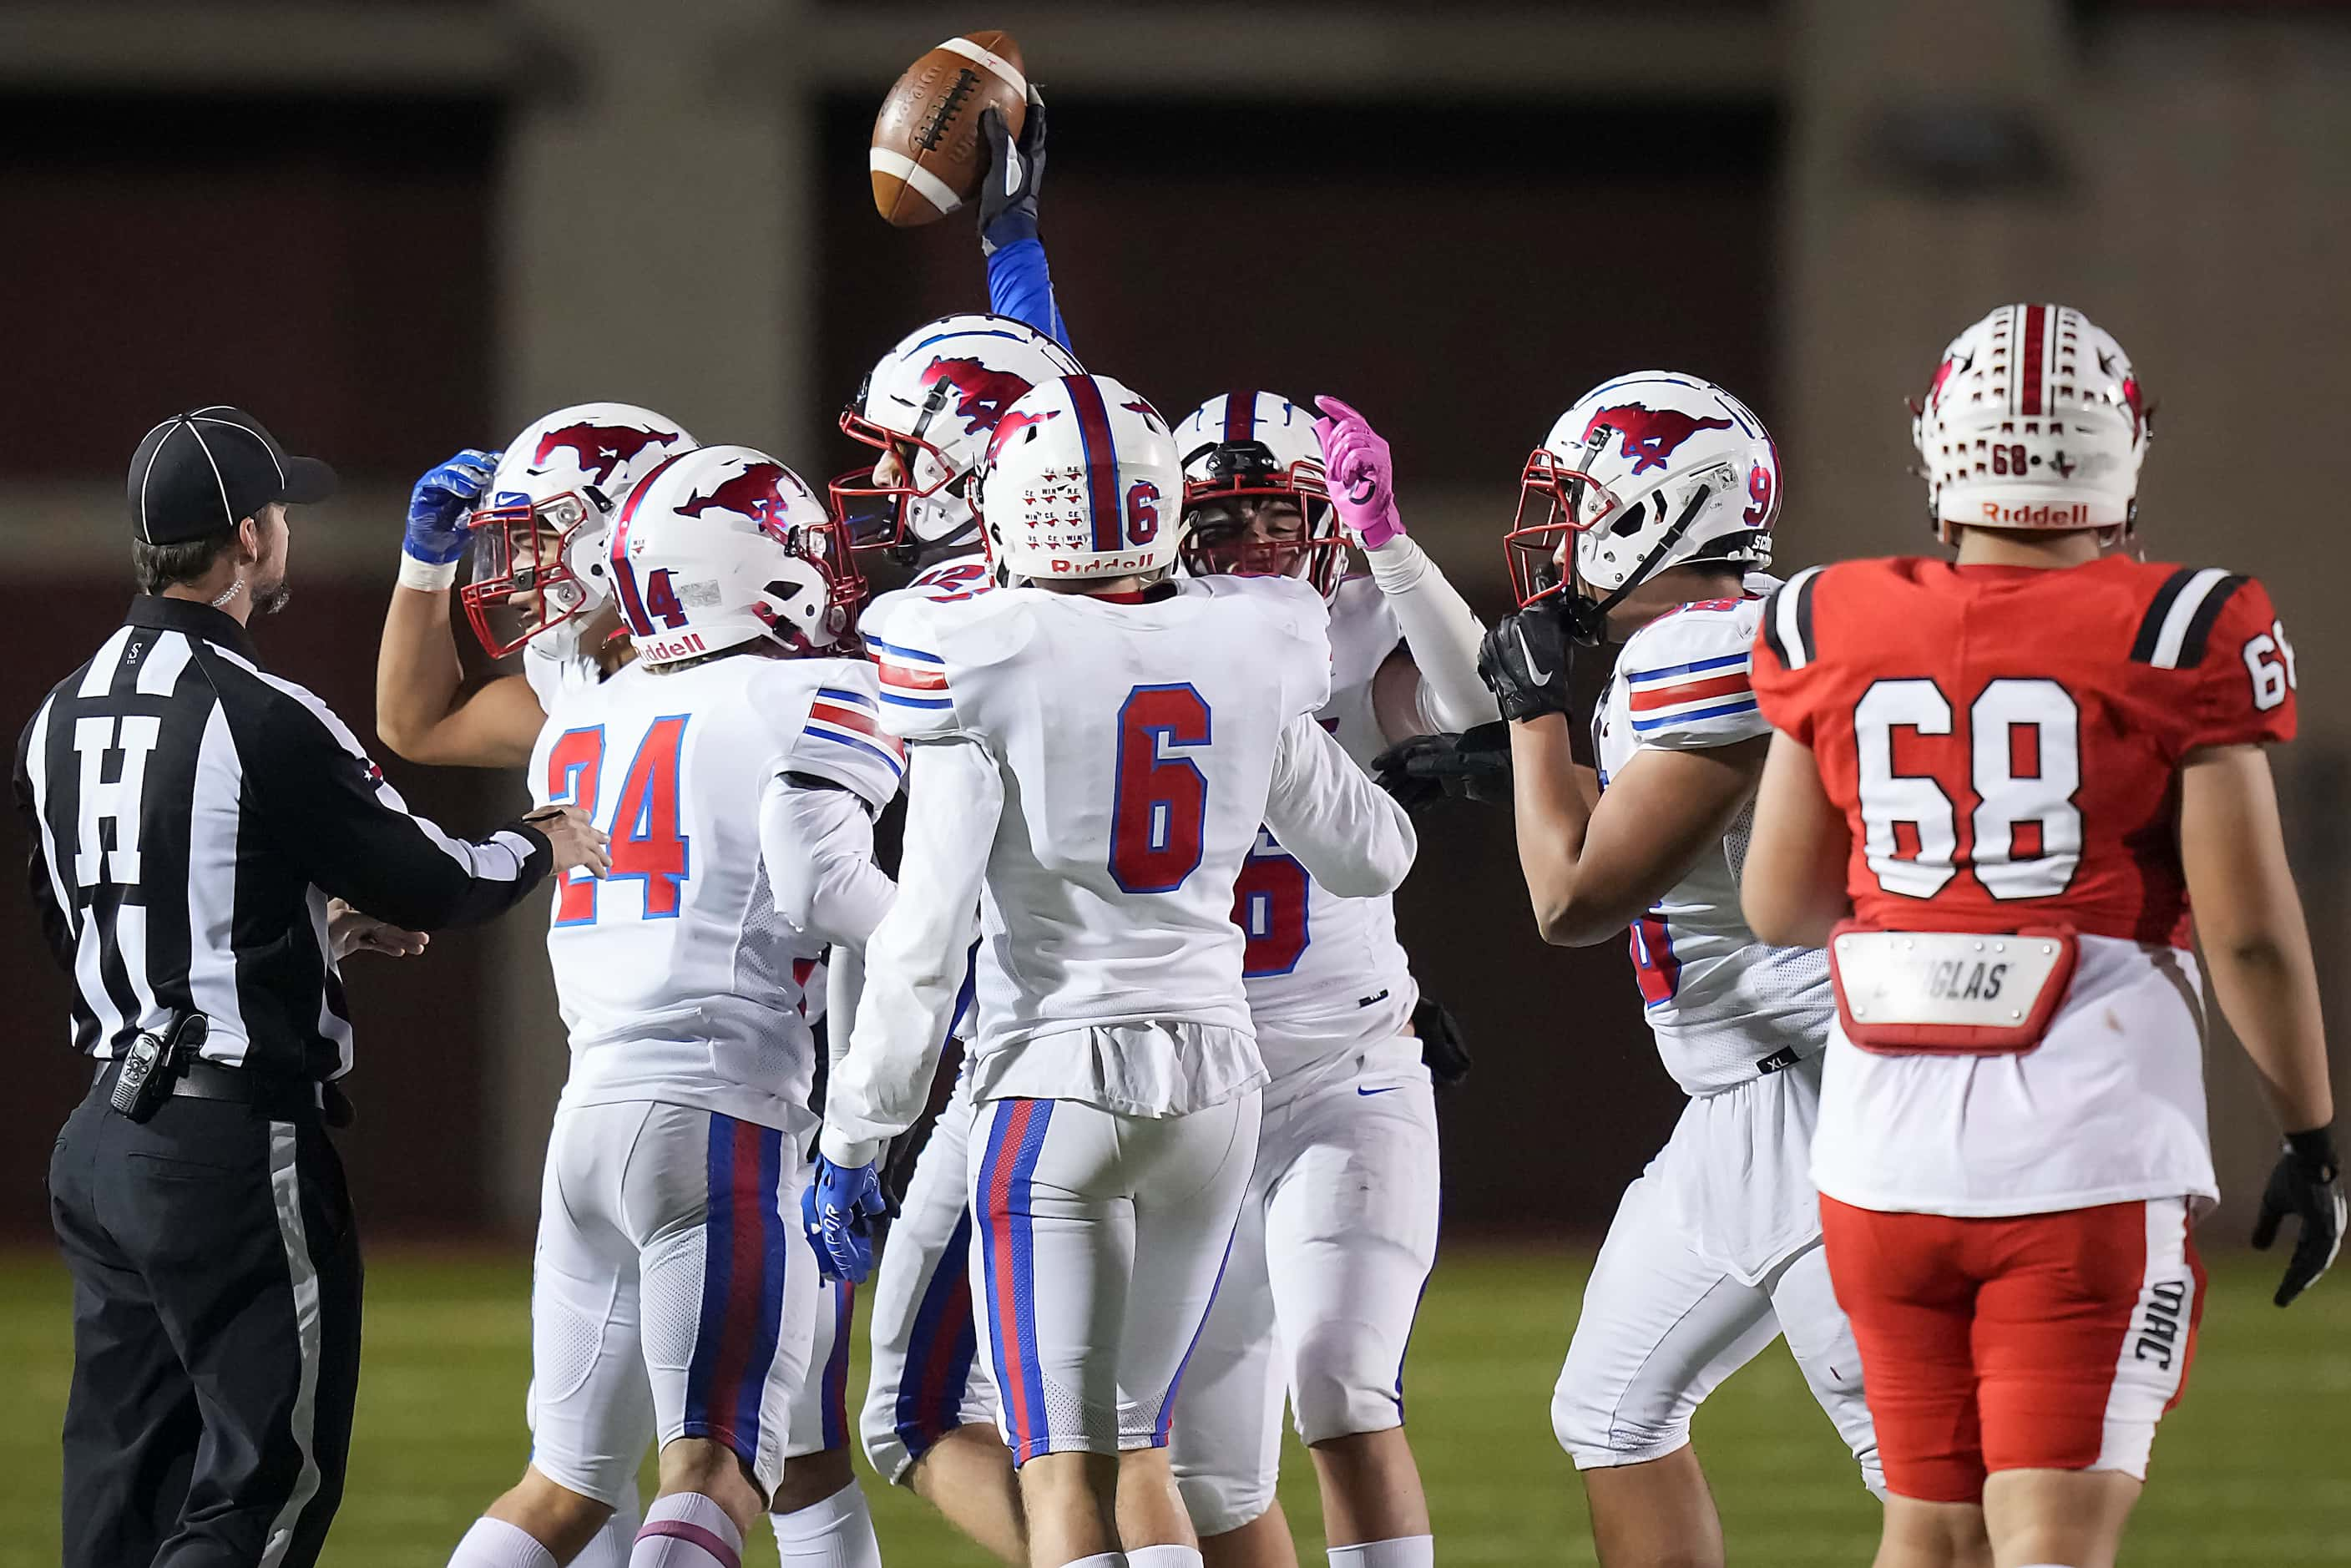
(2255, 1468)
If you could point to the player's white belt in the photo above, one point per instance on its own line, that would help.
(1950, 992)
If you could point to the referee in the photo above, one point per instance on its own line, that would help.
(203, 835)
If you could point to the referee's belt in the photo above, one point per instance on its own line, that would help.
(276, 1095)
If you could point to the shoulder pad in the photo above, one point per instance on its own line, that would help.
(828, 717)
(1687, 675)
(921, 646)
(1787, 618)
(1288, 602)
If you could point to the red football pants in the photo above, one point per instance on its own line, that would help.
(2037, 1342)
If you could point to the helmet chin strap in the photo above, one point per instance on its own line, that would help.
(1587, 619)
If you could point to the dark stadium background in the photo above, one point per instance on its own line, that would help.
(395, 229)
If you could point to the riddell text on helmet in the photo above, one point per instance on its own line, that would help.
(2076, 516)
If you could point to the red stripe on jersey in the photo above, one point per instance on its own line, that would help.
(858, 720)
(2036, 330)
(912, 679)
(1689, 692)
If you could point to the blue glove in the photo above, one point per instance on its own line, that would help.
(1016, 172)
(437, 507)
(838, 1208)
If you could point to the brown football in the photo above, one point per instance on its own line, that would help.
(927, 154)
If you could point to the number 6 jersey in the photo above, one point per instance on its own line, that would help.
(1101, 765)
(2005, 745)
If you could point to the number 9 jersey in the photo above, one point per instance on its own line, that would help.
(2004, 743)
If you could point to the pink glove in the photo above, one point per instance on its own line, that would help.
(1361, 474)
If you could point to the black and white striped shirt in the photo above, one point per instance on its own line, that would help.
(189, 814)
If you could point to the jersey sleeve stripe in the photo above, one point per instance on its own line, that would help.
(1724, 710)
(2187, 592)
(901, 655)
(2199, 625)
(1691, 691)
(896, 766)
(1696, 666)
(834, 694)
(2150, 626)
(896, 701)
(911, 680)
(824, 713)
(1788, 619)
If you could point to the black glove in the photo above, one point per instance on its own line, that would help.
(2308, 1185)
(1524, 661)
(1016, 172)
(1442, 1050)
(1474, 765)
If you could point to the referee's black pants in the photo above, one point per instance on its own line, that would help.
(216, 1335)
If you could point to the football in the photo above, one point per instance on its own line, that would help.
(926, 158)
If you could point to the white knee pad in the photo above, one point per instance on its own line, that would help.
(1345, 1379)
(1220, 1504)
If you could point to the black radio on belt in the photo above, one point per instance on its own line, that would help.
(144, 1078)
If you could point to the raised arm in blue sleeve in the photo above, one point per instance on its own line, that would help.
(1020, 284)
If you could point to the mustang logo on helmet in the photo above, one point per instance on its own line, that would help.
(600, 448)
(981, 394)
(1006, 429)
(754, 493)
(1650, 435)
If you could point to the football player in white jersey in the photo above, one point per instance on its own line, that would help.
(1339, 1228)
(928, 408)
(1097, 748)
(1639, 518)
(740, 756)
(536, 519)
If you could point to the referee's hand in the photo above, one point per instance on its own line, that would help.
(575, 840)
(351, 932)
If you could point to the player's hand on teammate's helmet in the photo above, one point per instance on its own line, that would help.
(838, 1208)
(1474, 765)
(2308, 1185)
(1361, 472)
(1015, 174)
(576, 841)
(438, 506)
(1524, 661)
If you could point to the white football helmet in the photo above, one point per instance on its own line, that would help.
(1244, 445)
(538, 532)
(2035, 421)
(725, 545)
(929, 406)
(1081, 480)
(1645, 472)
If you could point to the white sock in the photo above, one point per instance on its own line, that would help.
(1404, 1552)
(835, 1533)
(610, 1546)
(1105, 1560)
(687, 1530)
(495, 1543)
(1164, 1557)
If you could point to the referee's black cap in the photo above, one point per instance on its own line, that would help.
(200, 473)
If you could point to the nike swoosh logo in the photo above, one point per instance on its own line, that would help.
(1389, 1089)
(1535, 673)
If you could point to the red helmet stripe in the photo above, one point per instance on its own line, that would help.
(1102, 462)
(1241, 416)
(624, 576)
(2036, 342)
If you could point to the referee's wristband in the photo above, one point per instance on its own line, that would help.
(427, 576)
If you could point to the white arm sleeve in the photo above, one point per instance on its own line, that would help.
(1442, 632)
(1338, 824)
(844, 981)
(819, 849)
(916, 961)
